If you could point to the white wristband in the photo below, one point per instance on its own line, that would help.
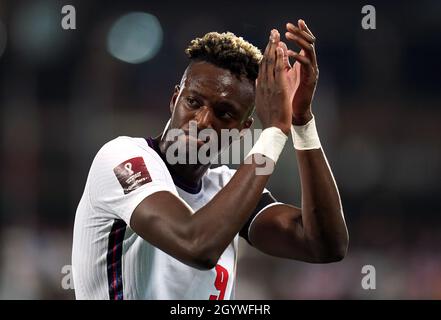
(270, 143)
(306, 137)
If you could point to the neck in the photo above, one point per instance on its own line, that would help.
(189, 175)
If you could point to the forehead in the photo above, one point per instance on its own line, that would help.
(215, 82)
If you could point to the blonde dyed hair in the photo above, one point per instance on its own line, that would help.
(226, 50)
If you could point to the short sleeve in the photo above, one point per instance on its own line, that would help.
(123, 173)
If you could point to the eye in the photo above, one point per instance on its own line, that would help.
(224, 115)
(192, 102)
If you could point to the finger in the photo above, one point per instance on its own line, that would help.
(263, 62)
(280, 64)
(303, 60)
(302, 43)
(268, 46)
(271, 57)
(286, 62)
(307, 47)
(300, 33)
(263, 68)
(304, 27)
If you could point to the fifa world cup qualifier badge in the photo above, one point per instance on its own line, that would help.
(132, 174)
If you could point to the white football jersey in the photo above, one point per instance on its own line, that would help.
(110, 261)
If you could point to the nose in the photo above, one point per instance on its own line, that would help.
(204, 117)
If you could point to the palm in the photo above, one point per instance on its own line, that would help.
(296, 77)
(293, 76)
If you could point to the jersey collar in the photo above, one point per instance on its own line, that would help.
(176, 180)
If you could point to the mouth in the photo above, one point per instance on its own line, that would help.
(193, 140)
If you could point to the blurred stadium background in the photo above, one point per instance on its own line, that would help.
(63, 93)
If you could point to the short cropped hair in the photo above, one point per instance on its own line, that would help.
(227, 51)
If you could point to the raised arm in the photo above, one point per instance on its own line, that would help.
(317, 231)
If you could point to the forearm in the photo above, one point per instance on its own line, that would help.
(216, 224)
(198, 239)
(322, 214)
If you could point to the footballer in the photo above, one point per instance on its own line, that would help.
(149, 228)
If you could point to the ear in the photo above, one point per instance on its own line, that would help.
(246, 127)
(174, 98)
(248, 123)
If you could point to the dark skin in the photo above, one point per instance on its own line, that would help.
(316, 232)
(215, 99)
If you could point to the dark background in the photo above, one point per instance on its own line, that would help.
(63, 95)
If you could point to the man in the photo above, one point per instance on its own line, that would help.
(147, 228)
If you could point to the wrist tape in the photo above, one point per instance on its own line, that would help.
(270, 143)
(305, 137)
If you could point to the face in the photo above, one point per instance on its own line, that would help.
(213, 98)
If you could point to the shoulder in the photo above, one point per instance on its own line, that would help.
(124, 143)
(123, 147)
(124, 172)
(123, 153)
